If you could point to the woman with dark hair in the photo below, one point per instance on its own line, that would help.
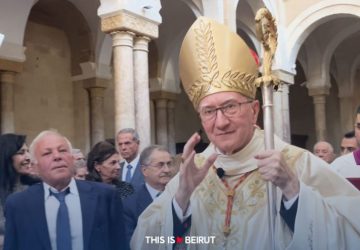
(103, 165)
(15, 168)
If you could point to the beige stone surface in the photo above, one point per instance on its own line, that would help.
(7, 80)
(44, 91)
(123, 80)
(124, 20)
(141, 89)
(161, 122)
(295, 7)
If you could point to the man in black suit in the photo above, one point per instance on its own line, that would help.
(128, 142)
(61, 213)
(155, 163)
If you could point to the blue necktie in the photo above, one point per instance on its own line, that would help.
(128, 174)
(63, 232)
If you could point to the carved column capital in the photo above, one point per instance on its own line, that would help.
(12, 66)
(163, 95)
(141, 43)
(317, 91)
(7, 76)
(95, 83)
(161, 103)
(123, 38)
(125, 20)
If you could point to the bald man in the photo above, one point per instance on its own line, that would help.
(325, 151)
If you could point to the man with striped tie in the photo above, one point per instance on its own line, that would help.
(62, 213)
(128, 142)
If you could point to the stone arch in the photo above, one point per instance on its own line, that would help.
(245, 15)
(16, 14)
(169, 71)
(250, 38)
(105, 52)
(170, 43)
(305, 23)
(333, 44)
(195, 6)
(62, 14)
(153, 59)
(353, 71)
(301, 123)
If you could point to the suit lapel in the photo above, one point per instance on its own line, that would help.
(121, 170)
(88, 207)
(137, 180)
(37, 211)
(145, 199)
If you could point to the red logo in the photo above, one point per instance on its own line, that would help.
(179, 240)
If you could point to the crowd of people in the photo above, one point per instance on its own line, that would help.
(117, 197)
(136, 187)
(346, 164)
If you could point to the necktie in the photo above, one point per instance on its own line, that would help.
(63, 232)
(128, 174)
(158, 194)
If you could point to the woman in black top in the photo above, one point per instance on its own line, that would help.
(103, 165)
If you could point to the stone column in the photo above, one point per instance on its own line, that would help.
(229, 8)
(285, 110)
(141, 84)
(96, 89)
(124, 19)
(161, 122)
(165, 118)
(153, 121)
(277, 109)
(171, 127)
(281, 105)
(7, 80)
(319, 100)
(123, 80)
(346, 113)
(320, 117)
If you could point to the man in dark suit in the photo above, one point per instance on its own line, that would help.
(61, 213)
(128, 142)
(155, 163)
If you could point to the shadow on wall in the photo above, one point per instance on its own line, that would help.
(299, 140)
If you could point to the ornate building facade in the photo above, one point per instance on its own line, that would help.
(89, 68)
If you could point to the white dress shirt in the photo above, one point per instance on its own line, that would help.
(153, 192)
(133, 163)
(72, 201)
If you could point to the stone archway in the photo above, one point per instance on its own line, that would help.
(298, 30)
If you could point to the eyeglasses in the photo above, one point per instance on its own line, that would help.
(161, 165)
(228, 110)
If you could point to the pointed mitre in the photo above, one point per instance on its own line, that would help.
(214, 59)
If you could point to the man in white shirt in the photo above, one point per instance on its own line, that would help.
(349, 165)
(128, 142)
(61, 213)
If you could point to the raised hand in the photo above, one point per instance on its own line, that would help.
(190, 175)
(272, 167)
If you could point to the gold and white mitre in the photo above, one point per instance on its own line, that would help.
(214, 59)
